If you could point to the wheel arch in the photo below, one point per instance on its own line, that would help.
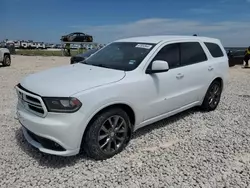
(219, 79)
(215, 79)
(6, 54)
(127, 108)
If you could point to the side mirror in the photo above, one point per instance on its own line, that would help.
(157, 67)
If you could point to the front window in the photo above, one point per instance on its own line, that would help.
(120, 55)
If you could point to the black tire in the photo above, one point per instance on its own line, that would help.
(6, 60)
(93, 139)
(212, 97)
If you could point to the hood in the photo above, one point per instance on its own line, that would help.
(67, 80)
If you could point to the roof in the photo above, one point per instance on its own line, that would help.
(160, 38)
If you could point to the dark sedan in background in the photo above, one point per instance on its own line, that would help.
(77, 37)
(235, 57)
(83, 56)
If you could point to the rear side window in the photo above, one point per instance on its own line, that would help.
(214, 49)
(191, 53)
(171, 54)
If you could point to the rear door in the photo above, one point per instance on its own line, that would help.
(77, 37)
(194, 72)
(82, 37)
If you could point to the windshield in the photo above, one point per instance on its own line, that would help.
(89, 52)
(120, 55)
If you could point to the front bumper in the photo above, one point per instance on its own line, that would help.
(57, 134)
(40, 146)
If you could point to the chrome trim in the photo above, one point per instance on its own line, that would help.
(26, 102)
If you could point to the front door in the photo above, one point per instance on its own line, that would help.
(163, 94)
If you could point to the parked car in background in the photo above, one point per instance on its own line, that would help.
(80, 57)
(235, 57)
(40, 45)
(24, 45)
(9, 46)
(77, 37)
(5, 57)
(97, 104)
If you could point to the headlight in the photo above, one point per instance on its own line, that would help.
(62, 104)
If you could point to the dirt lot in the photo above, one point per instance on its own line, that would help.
(192, 149)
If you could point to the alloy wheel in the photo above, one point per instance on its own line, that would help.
(8, 61)
(112, 134)
(214, 95)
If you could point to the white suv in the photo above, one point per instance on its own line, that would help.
(98, 103)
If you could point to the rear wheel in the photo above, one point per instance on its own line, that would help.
(107, 135)
(6, 60)
(212, 97)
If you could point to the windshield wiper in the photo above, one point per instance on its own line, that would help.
(97, 65)
(102, 65)
(83, 62)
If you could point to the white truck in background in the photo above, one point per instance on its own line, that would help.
(5, 57)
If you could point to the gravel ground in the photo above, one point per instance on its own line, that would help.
(192, 149)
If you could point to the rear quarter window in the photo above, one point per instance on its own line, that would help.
(214, 49)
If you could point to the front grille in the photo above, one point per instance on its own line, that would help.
(30, 101)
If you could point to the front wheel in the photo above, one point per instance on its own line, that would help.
(107, 135)
(6, 60)
(212, 97)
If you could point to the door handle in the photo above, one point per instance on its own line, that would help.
(210, 68)
(179, 76)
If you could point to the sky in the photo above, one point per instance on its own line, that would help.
(109, 20)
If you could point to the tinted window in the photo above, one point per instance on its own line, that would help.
(192, 52)
(239, 53)
(120, 55)
(171, 54)
(88, 53)
(214, 49)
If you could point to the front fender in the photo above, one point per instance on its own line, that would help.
(4, 50)
(110, 103)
